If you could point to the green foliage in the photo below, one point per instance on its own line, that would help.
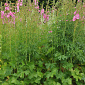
(31, 55)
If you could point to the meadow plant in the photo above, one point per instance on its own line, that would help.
(42, 46)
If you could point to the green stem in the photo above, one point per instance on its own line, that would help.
(29, 57)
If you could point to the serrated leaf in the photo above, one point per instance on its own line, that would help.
(14, 80)
(37, 80)
(50, 49)
(40, 74)
(58, 83)
(68, 65)
(27, 72)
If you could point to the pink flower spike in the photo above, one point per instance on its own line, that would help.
(50, 31)
(20, 3)
(17, 8)
(42, 11)
(44, 16)
(35, 2)
(66, 20)
(78, 0)
(2, 14)
(47, 17)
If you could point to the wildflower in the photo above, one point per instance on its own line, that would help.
(37, 7)
(50, 31)
(84, 6)
(6, 4)
(2, 14)
(35, 2)
(75, 12)
(76, 17)
(20, 3)
(17, 8)
(46, 17)
(6, 8)
(42, 11)
(38, 10)
(66, 20)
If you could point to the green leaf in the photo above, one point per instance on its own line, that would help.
(68, 65)
(37, 80)
(40, 74)
(40, 63)
(31, 65)
(50, 49)
(5, 83)
(14, 80)
(58, 83)
(22, 75)
(27, 72)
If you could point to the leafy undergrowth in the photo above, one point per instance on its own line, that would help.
(38, 52)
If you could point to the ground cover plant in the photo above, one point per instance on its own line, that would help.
(42, 46)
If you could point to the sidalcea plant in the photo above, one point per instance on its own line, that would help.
(49, 53)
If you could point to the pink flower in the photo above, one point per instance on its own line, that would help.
(6, 4)
(77, 16)
(84, 6)
(75, 12)
(66, 20)
(17, 8)
(37, 7)
(20, 3)
(78, 0)
(8, 16)
(44, 16)
(35, 2)
(18, 0)
(74, 18)
(47, 17)
(50, 31)
(38, 10)
(6, 8)
(42, 11)
(83, 17)
(2, 14)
